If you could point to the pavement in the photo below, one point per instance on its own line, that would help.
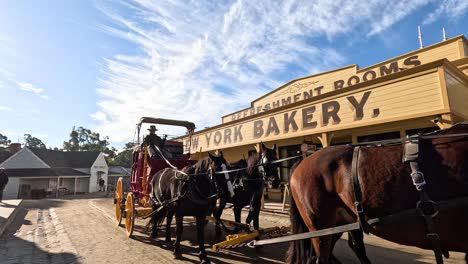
(8, 210)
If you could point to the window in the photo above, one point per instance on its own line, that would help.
(377, 137)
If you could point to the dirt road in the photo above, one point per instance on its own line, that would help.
(84, 231)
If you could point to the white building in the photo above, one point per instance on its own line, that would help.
(34, 173)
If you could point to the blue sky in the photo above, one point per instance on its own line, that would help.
(104, 64)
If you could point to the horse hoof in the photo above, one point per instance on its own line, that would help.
(153, 235)
(205, 261)
(168, 240)
(177, 256)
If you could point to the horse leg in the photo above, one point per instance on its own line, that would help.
(217, 215)
(324, 216)
(356, 243)
(255, 208)
(237, 217)
(335, 239)
(154, 226)
(201, 239)
(179, 229)
(169, 216)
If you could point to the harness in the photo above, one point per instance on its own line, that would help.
(425, 207)
(191, 188)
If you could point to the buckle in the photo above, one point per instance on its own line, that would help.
(359, 208)
(418, 179)
(427, 208)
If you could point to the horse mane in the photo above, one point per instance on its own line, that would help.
(252, 162)
(201, 166)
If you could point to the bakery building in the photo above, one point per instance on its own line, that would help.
(419, 91)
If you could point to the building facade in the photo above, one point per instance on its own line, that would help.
(34, 173)
(419, 91)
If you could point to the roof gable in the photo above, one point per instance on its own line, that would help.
(24, 158)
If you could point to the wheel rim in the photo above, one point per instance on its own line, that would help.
(129, 214)
(118, 200)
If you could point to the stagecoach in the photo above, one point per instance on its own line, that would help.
(137, 203)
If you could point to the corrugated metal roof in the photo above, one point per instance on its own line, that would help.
(72, 159)
(119, 170)
(42, 172)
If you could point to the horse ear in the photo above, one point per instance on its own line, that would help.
(274, 147)
(212, 157)
(220, 154)
(263, 147)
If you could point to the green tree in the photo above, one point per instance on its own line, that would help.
(123, 158)
(4, 141)
(33, 142)
(83, 139)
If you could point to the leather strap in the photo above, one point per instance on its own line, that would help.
(425, 206)
(389, 219)
(357, 191)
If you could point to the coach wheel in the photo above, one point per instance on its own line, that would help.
(119, 195)
(129, 214)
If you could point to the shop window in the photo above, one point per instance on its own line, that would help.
(377, 137)
(285, 166)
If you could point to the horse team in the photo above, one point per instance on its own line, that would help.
(323, 194)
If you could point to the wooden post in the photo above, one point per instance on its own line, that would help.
(326, 139)
(286, 195)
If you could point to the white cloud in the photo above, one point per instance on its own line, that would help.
(451, 9)
(28, 87)
(199, 60)
(394, 12)
(5, 108)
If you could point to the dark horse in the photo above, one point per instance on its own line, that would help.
(186, 192)
(3, 182)
(248, 183)
(323, 197)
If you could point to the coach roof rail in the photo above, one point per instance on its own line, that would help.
(152, 120)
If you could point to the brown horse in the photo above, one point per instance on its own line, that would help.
(323, 197)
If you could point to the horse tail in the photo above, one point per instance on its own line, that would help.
(157, 218)
(299, 250)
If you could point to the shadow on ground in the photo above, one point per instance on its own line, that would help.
(266, 254)
(14, 249)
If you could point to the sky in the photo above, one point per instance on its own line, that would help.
(104, 64)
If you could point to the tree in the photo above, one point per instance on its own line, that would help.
(33, 142)
(123, 158)
(4, 141)
(83, 139)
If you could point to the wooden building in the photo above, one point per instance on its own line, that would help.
(418, 91)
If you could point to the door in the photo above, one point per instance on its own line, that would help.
(24, 191)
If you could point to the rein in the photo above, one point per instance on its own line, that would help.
(397, 217)
(257, 165)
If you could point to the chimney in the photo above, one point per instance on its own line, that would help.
(14, 147)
